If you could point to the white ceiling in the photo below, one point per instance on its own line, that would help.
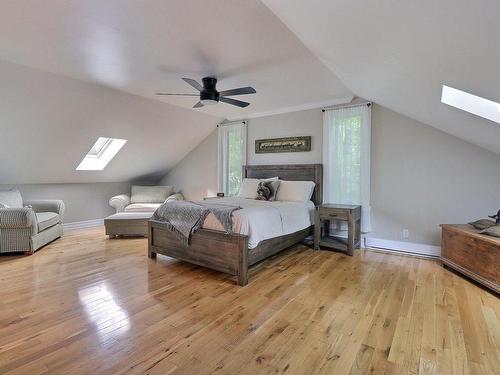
(399, 53)
(396, 53)
(143, 47)
(48, 123)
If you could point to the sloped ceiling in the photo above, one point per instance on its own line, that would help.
(143, 47)
(49, 122)
(399, 53)
(110, 57)
(74, 70)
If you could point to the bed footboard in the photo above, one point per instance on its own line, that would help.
(208, 248)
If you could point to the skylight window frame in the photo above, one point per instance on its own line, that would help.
(98, 161)
(102, 149)
(471, 103)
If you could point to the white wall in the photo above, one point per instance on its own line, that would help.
(82, 201)
(196, 175)
(286, 125)
(421, 177)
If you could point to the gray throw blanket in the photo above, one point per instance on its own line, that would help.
(183, 218)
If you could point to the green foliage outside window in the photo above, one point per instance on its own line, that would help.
(234, 163)
(349, 155)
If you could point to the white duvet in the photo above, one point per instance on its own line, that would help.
(261, 220)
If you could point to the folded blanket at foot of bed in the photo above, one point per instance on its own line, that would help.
(183, 218)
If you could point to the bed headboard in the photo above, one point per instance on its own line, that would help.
(291, 172)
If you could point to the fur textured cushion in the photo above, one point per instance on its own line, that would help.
(266, 190)
(249, 186)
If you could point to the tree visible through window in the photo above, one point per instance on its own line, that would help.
(232, 156)
(234, 163)
(346, 158)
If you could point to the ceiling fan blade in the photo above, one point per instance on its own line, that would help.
(235, 102)
(198, 105)
(239, 91)
(193, 83)
(164, 93)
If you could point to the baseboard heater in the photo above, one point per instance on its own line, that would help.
(403, 247)
(83, 224)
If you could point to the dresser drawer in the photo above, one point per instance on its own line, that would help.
(332, 213)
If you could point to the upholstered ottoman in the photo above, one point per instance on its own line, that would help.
(127, 224)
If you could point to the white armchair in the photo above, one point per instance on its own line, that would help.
(26, 229)
(119, 202)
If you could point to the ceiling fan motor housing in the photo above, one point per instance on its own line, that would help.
(209, 91)
(210, 96)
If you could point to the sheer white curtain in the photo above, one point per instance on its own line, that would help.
(346, 158)
(231, 155)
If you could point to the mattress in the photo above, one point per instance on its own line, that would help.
(262, 220)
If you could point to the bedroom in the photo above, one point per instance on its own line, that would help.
(90, 301)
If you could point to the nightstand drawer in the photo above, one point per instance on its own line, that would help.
(332, 213)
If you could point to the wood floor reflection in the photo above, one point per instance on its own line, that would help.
(89, 305)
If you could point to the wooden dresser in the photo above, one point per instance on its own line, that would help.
(473, 254)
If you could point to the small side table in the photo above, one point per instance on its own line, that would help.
(324, 214)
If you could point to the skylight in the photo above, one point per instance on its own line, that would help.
(101, 154)
(471, 103)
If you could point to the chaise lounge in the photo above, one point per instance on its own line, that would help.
(134, 211)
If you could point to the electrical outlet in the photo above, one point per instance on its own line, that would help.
(406, 233)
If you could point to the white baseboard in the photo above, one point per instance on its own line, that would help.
(83, 224)
(404, 247)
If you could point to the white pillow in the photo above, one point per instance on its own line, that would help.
(295, 191)
(248, 187)
(150, 194)
(11, 198)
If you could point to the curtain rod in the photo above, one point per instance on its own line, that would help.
(232, 122)
(341, 106)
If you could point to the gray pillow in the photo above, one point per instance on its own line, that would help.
(266, 190)
(150, 194)
(482, 224)
(11, 198)
(492, 231)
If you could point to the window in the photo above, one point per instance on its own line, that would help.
(471, 103)
(346, 158)
(231, 156)
(101, 153)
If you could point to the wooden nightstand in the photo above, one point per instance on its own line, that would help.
(326, 212)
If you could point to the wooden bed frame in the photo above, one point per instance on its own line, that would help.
(229, 253)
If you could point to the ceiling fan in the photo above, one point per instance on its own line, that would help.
(210, 96)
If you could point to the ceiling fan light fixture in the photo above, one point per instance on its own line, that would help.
(210, 96)
(208, 102)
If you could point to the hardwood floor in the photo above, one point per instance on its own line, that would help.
(89, 305)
